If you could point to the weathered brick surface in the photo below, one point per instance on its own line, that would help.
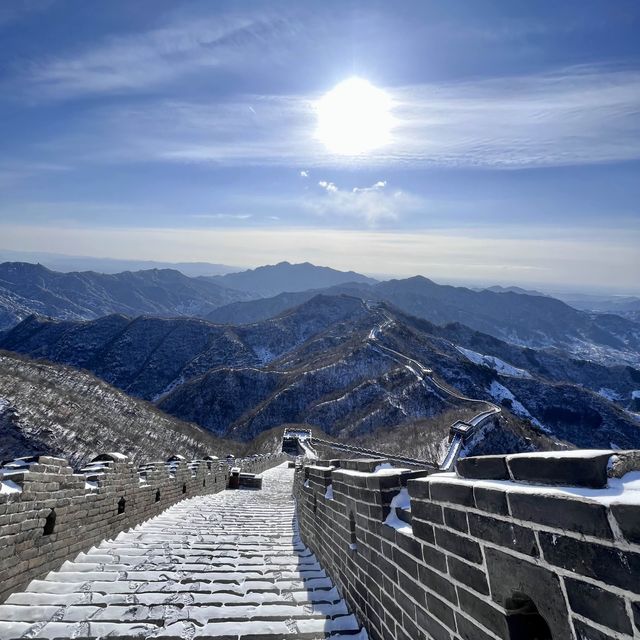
(477, 560)
(109, 496)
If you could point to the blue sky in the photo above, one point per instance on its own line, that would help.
(186, 131)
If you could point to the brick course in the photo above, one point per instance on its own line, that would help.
(108, 496)
(485, 560)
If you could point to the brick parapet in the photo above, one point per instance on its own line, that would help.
(48, 513)
(479, 559)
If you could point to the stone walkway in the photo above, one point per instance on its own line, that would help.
(228, 565)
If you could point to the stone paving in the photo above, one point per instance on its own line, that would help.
(228, 565)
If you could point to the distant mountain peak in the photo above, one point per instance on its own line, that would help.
(513, 289)
(271, 280)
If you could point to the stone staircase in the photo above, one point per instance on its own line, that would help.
(228, 565)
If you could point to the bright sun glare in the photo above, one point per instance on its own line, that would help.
(354, 118)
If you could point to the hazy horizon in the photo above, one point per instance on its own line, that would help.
(75, 263)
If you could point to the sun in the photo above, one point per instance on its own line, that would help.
(354, 118)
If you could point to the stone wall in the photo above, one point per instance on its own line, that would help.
(48, 513)
(261, 463)
(509, 547)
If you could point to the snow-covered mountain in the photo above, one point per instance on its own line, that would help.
(50, 408)
(27, 289)
(317, 364)
(535, 321)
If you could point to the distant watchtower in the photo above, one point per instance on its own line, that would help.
(291, 439)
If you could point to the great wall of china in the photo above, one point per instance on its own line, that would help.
(48, 513)
(521, 547)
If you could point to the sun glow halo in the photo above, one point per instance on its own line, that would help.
(354, 118)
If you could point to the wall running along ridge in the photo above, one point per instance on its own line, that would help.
(543, 546)
(48, 513)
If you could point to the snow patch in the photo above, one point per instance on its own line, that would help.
(400, 501)
(499, 366)
(500, 392)
(571, 453)
(9, 487)
(609, 394)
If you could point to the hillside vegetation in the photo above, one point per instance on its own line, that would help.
(54, 409)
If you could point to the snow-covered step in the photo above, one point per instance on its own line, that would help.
(129, 587)
(31, 598)
(228, 565)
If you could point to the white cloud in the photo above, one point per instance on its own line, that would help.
(371, 204)
(581, 115)
(304, 174)
(328, 186)
(381, 184)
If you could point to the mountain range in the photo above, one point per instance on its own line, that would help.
(316, 364)
(225, 354)
(27, 288)
(535, 321)
(67, 263)
(626, 306)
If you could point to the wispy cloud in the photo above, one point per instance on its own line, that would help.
(137, 61)
(17, 171)
(381, 184)
(581, 115)
(575, 116)
(221, 216)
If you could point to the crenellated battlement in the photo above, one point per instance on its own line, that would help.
(522, 546)
(49, 514)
